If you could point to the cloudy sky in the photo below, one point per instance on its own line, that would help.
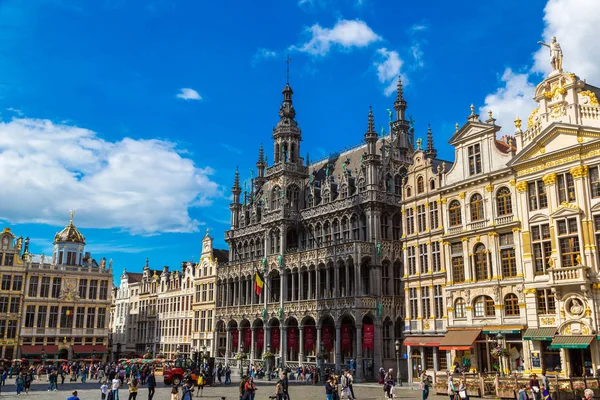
(135, 113)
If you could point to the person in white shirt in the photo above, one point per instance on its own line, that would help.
(116, 383)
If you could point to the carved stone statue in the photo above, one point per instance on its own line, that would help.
(556, 55)
(280, 261)
(378, 249)
(419, 143)
(576, 307)
(390, 114)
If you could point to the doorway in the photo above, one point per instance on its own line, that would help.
(580, 362)
(63, 354)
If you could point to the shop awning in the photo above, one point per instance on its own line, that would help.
(427, 341)
(89, 349)
(503, 329)
(539, 334)
(37, 350)
(459, 339)
(571, 342)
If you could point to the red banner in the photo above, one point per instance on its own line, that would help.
(292, 338)
(247, 338)
(234, 340)
(327, 338)
(368, 336)
(309, 338)
(346, 337)
(260, 338)
(275, 339)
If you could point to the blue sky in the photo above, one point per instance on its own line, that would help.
(136, 113)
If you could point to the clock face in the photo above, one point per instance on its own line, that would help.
(206, 247)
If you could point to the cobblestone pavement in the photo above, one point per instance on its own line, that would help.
(298, 391)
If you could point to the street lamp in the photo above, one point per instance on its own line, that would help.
(204, 353)
(43, 353)
(398, 345)
(499, 341)
(93, 354)
(268, 361)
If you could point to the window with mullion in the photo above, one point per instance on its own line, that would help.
(568, 242)
(537, 195)
(595, 181)
(481, 269)
(566, 188)
(454, 213)
(542, 247)
(425, 303)
(476, 207)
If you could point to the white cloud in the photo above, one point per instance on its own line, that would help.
(263, 54)
(575, 23)
(418, 28)
(140, 186)
(388, 68)
(417, 54)
(188, 94)
(345, 34)
(513, 99)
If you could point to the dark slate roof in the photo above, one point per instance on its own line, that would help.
(221, 255)
(134, 277)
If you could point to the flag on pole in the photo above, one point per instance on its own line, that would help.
(259, 283)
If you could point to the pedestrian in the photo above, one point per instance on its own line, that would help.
(19, 382)
(103, 391)
(227, 375)
(424, 386)
(350, 379)
(534, 384)
(279, 390)
(388, 385)
(3, 377)
(286, 386)
(451, 388)
(133, 386)
(114, 388)
(329, 388)
(186, 391)
(249, 389)
(462, 389)
(200, 384)
(588, 394)
(73, 396)
(27, 381)
(151, 385)
(522, 393)
(174, 393)
(546, 393)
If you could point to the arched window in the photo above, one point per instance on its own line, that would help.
(344, 191)
(327, 233)
(420, 185)
(362, 185)
(408, 191)
(396, 226)
(432, 184)
(275, 198)
(459, 308)
(397, 185)
(454, 213)
(511, 305)
(503, 201)
(385, 226)
(476, 206)
(481, 269)
(484, 307)
(319, 235)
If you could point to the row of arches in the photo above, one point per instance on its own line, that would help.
(484, 306)
(503, 198)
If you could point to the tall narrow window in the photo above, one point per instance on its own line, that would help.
(474, 152)
(413, 303)
(566, 187)
(421, 218)
(33, 286)
(458, 263)
(476, 207)
(459, 308)
(503, 202)
(396, 226)
(412, 260)
(45, 286)
(438, 301)
(91, 317)
(507, 255)
(542, 247)
(425, 302)
(53, 317)
(410, 221)
(385, 226)
(30, 317)
(41, 316)
(56, 284)
(595, 181)
(569, 242)
(454, 215)
(436, 260)
(481, 266)
(538, 199)
(420, 185)
(434, 222)
(511, 305)
(546, 303)
(424, 258)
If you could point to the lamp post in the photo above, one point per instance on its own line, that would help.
(268, 361)
(320, 362)
(43, 353)
(93, 354)
(499, 341)
(398, 345)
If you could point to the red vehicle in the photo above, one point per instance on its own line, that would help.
(173, 375)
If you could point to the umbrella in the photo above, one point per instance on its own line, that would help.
(18, 360)
(122, 359)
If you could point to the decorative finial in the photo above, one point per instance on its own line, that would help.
(490, 113)
(400, 90)
(518, 123)
(456, 127)
(371, 126)
(419, 143)
(472, 109)
(72, 215)
(431, 152)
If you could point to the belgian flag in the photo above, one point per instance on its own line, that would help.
(259, 282)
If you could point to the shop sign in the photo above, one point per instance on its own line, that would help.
(535, 359)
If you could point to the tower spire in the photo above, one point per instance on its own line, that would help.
(400, 103)
(430, 152)
(371, 135)
(236, 181)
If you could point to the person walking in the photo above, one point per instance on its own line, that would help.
(462, 389)
(133, 385)
(151, 385)
(451, 388)
(424, 386)
(200, 383)
(187, 390)
(19, 382)
(114, 388)
(286, 386)
(329, 388)
(27, 380)
(522, 393)
(534, 384)
(73, 396)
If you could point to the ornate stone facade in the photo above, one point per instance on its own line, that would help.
(325, 236)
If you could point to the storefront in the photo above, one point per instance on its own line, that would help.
(577, 353)
(543, 355)
(424, 355)
(501, 349)
(460, 343)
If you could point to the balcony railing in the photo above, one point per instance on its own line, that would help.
(577, 274)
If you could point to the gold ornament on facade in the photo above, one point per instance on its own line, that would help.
(542, 150)
(556, 89)
(518, 123)
(516, 230)
(426, 325)
(579, 171)
(462, 195)
(548, 320)
(530, 120)
(512, 182)
(591, 97)
(549, 179)
(489, 188)
(522, 186)
(444, 200)
(557, 111)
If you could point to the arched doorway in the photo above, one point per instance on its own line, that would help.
(310, 339)
(245, 336)
(328, 338)
(293, 339)
(221, 339)
(347, 336)
(368, 346)
(63, 353)
(259, 338)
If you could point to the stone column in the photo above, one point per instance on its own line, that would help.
(410, 366)
(359, 354)
(227, 345)
(317, 282)
(338, 346)
(318, 343)
(294, 289)
(347, 284)
(327, 282)
(467, 260)
(423, 360)
(300, 286)
(435, 359)
(310, 291)
(283, 344)
(336, 289)
(301, 345)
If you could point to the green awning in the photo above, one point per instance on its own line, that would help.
(571, 342)
(539, 334)
(505, 329)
